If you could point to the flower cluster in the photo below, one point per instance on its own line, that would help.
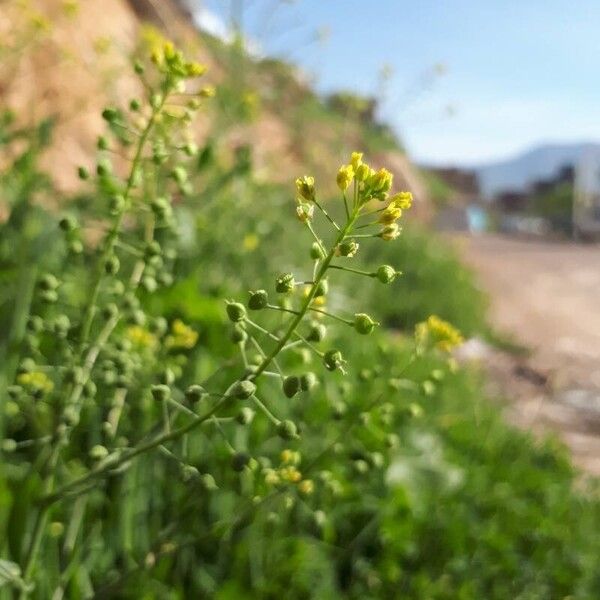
(437, 333)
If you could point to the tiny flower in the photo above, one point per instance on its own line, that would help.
(356, 160)
(437, 333)
(306, 187)
(347, 248)
(344, 177)
(364, 324)
(390, 232)
(402, 200)
(306, 487)
(305, 212)
(381, 181)
(390, 214)
(290, 457)
(290, 474)
(182, 336)
(285, 283)
(271, 477)
(362, 172)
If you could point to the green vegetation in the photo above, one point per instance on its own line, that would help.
(173, 425)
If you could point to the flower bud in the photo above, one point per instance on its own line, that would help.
(390, 232)
(364, 324)
(98, 452)
(236, 311)
(306, 487)
(35, 324)
(361, 172)
(386, 274)
(103, 167)
(245, 416)
(149, 284)
(316, 251)
(110, 114)
(134, 105)
(285, 283)
(291, 386)
(48, 282)
(138, 67)
(333, 360)
(305, 212)
(8, 445)
(102, 143)
(161, 392)
(322, 288)
(67, 223)
(390, 214)
(287, 430)
(381, 181)
(306, 187)
(317, 332)
(242, 390)
(238, 334)
(208, 482)
(83, 173)
(61, 325)
(194, 392)
(110, 311)
(258, 300)
(75, 247)
(347, 248)
(402, 200)
(116, 204)
(308, 381)
(111, 265)
(344, 177)
(239, 461)
(161, 208)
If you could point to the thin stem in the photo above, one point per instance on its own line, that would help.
(351, 270)
(327, 215)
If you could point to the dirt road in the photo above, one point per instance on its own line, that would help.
(547, 296)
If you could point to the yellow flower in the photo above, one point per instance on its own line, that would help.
(290, 457)
(356, 160)
(250, 242)
(70, 7)
(182, 336)
(306, 487)
(390, 232)
(290, 474)
(437, 333)
(390, 214)
(402, 200)
(141, 337)
(381, 181)
(271, 477)
(306, 187)
(207, 92)
(344, 177)
(362, 172)
(35, 380)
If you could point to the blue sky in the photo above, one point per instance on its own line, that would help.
(518, 73)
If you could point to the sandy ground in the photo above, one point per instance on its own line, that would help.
(546, 296)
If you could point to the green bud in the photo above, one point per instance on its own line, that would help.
(103, 167)
(67, 223)
(161, 208)
(238, 334)
(168, 376)
(242, 390)
(236, 311)
(287, 430)
(194, 392)
(291, 386)
(339, 409)
(208, 482)
(116, 204)
(74, 375)
(179, 174)
(102, 143)
(161, 392)
(159, 325)
(347, 248)
(322, 288)
(8, 445)
(317, 332)
(35, 324)
(333, 360)
(98, 452)
(110, 114)
(149, 284)
(152, 249)
(316, 252)
(49, 296)
(361, 466)
(48, 282)
(138, 67)
(308, 381)
(111, 265)
(75, 247)
(134, 105)
(386, 274)
(239, 461)
(165, 279)
(190, 149)
(189, 472)
(364, 324)
(285, 283)
(110, 311)
(138, 317)
(258, 300)
(83, 173)
(61, 325)
(89, 389)
(245, 416)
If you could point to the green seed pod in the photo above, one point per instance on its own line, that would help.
(258, 300)
(134, 105)
(161, 392)
(291, 386)
(103, 167)
(161, 208)
(48, 282)
(239, 461)
(67, 223)
(149, 284)
(110, 311)
(242, 390)
(308, 381)
(194, 393)
(285, 283)
(89, 389)
(75, 247)
(287, 430)
(138, 67)
(386, 274)
(49, 297)
(361, 466)
(238, 334)
(189, 472)
(316, 252)
(236, 311)
(164, 278)
(110, 114)
(179, 174)
(245, 416)
(168, 376)
(98, 452)
(102, 143)
(322, 288)
(317, 332)
(111, 265)
(83, 173)
(347, 248)
(364, 324)
(74, 375)
(333, 360)
(138, 317)
(35, 324)
(152, 249)
(8, 445)
(208, 482)
(130, 302)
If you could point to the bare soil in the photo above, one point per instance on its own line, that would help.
(546, 296)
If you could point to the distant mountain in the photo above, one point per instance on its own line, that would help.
(538, 163)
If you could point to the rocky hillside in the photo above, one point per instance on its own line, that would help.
(68, 59)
